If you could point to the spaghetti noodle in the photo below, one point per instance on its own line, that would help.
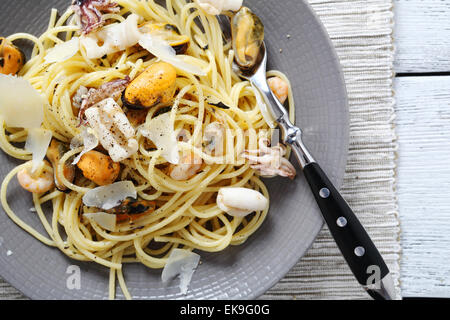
(186, 214)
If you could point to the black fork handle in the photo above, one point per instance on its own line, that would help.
(352, 239)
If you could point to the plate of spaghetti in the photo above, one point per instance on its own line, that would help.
(136, 164)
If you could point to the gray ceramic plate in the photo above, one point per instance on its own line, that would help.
(243, 272)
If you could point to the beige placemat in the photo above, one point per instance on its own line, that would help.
(361, 31)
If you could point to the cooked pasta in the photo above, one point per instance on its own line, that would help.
(185, 212)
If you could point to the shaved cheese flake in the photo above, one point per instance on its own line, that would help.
(181, 263)
(161, 131)
(162, 49)
(264, 109)
(37, 143)
(110, 196)
(86, 138)
(21, 106)
(105, 220)
(63, 51)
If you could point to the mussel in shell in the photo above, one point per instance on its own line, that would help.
(12, 59)
(99, 168)
(133, 209)
(169, 33)
(248, 37)
(156, 85)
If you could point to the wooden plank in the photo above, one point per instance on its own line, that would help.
(423, 129)
(422, 36)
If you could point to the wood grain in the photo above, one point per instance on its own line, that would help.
(422, 36)
(423, 129)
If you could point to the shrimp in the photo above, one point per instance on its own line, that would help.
(39, 184)
(188, 168)
(279, 87)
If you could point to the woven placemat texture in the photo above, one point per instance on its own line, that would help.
(361, 31)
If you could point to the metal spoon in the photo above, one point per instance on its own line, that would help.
(359, 251)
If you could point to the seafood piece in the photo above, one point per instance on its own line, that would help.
(99, 168)
(112, 38)
(239, 202)
(133, 209)
(113, 129)
(128, 211)
(169, 33)
(189, 167)
(12, 58)
(213, 138)
(137, 117)
(184, 135)
(279, 87)
(36, 184)
(55, 152)
(269, 161)
(156, 85)
(216, 7)
(90, 12)
(78, 98)
(248, 36)
(88, 98)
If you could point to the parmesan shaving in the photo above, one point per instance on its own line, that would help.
(161, 131)
(86, 138)
(63, 51)
(181, 263)
(110, 196)
(162, 49)
(21, 106)
(105, 220)
(37, 143)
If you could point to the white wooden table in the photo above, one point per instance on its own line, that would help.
(422, 86)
